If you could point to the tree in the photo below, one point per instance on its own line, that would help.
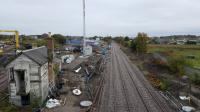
(59, 38)
(126, 39)
(176, 65)
(133, 45)
(108, 39)
(118, 39)
(141, 43)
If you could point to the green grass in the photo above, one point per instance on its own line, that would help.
(171, 52)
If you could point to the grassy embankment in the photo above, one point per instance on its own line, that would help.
(179, 50)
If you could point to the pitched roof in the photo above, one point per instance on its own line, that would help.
(39, 55)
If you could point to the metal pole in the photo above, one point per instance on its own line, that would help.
(84, 28)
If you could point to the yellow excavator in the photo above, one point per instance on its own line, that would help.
(16, 38)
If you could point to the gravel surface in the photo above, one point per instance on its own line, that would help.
(127, 90)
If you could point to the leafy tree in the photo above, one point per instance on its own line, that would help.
(95, 37)
(41, 42)
(59, 38)
(133, 45)
(141, 43)
(191, 42)
(118, 39)
(108, 39)
(126, 39)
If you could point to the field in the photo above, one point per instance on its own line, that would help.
(183, 51)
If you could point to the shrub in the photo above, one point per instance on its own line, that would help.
(195, 78)
(176, 65)
(35, 101)
(56, 69)
(125, 44)
(164, 85)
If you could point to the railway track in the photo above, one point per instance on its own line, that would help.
(126, 90)
(146, 108)
(109, 89)
(101, 86)
(158, 98)
(155, 103)
(123, 84)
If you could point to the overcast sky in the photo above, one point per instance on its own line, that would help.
(103, 17)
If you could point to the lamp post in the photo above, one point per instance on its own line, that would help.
(84, 28)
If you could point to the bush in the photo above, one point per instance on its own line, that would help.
(8, 108)
(164, 85)
(195, 78)
(56, 69)
(125, 43)
(176, 65)
(35, 101)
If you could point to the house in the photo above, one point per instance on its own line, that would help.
(181, 41)
(28, 76)
(92, 42)
(74, 42)
(34, 36)
(165, 40)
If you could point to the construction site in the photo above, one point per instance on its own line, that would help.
(84, 75)
(49, 79)
(43, 75)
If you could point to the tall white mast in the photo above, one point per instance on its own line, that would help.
(84, 28)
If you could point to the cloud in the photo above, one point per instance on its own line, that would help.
(103, 17)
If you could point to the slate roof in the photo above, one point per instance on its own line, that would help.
(38, 55)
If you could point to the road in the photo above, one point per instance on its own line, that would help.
(126, 89)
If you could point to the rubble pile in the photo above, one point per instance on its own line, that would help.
(80, 81)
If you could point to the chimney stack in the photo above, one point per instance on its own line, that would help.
(50, 47)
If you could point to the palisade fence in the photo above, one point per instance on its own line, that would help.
(3, 80)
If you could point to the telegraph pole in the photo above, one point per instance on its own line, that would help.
(84, 28)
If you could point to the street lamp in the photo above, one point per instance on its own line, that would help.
(84, 28)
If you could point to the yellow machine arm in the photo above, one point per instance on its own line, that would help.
(16, 36)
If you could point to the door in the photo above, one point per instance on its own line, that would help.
(25, 99)
(27, 81)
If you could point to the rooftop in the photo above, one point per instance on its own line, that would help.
(39, 55)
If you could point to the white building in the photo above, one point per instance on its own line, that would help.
(28, 76)
(88, 50)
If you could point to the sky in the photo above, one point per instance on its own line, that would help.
(103, 17)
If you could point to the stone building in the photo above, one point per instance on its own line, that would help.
(28, 76)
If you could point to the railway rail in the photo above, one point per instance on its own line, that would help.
(125, 88)
(156, 101)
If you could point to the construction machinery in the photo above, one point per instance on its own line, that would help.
(1, 51)
(16, 38)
